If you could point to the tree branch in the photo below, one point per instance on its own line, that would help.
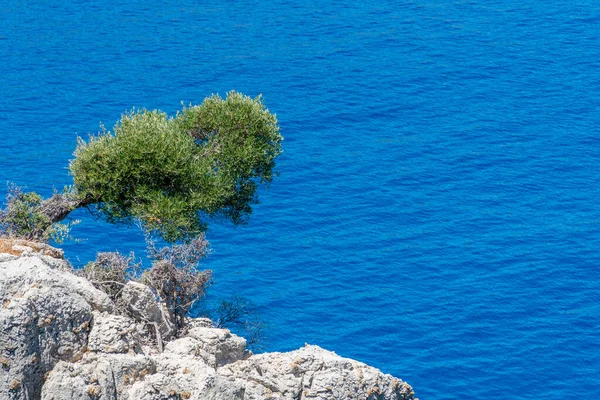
(60, 205)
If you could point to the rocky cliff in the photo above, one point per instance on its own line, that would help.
(61, 338)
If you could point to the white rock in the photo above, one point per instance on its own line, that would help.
(45, 316)
(97, 377)
(312, 373)
(218, 346)
(114, 334)
(142, 306)
(48, 352)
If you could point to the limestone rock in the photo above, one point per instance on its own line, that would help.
(114, 334)
(60, 339)
(28, 247)
(45, 317)
(142, 305)
(309, 373)
(312, 373)
(217, 347)
(97, 377)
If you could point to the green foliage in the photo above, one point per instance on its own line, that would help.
(24, 218)
(21, 217)
(173, 174)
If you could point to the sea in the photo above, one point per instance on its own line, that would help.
(437, 209)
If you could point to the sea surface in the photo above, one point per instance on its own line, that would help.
(437, 213)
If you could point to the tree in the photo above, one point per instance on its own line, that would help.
(173, 174)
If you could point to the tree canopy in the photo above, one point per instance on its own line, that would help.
(173, 174)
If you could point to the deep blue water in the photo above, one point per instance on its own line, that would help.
(437, 210)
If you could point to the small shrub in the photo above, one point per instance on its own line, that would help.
(175, 278)
(180, 255)
(179, 288)
(111, 271)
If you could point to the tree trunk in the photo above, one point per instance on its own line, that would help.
(60, 205)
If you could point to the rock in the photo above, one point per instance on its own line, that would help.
(7, 257)
(308, 373)
(198, 323)
(45, 317)
(28, 247)
(114, 334)
(60, 339)
(218, 347)
(182, 372)
(312, 373)
(143, 307)
(187, 366)
(97, 377)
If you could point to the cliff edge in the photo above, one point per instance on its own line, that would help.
(61, 338)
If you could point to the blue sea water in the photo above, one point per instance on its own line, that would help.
(436, 213)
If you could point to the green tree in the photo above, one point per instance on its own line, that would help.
(174, 174)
